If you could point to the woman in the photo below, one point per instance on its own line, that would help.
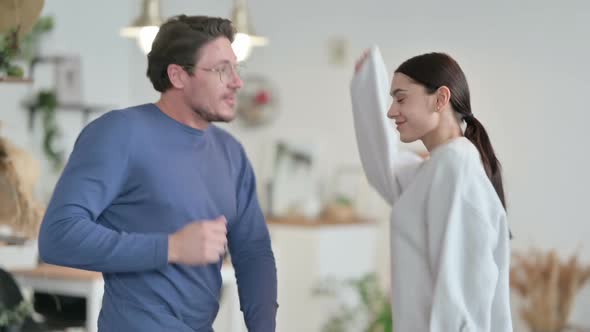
(449, 234)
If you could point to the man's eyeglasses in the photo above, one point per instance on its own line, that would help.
(225, 71)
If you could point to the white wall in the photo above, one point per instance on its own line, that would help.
(527, 65)
(88, 29)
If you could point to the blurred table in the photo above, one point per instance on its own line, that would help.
(67, 281)
(89, 285)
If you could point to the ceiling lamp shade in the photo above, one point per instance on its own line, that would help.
(245, 38)
(145, 27)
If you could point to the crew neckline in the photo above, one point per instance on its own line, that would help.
(167, 118)
(450, 143)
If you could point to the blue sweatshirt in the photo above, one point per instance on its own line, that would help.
(134, 177)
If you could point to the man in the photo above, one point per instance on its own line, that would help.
(152, 194)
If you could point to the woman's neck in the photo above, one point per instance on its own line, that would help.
(447, 130)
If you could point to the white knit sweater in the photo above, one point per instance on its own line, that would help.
(449, 235)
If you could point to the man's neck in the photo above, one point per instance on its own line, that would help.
(175, 108)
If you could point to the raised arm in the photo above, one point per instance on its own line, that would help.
(387, 167)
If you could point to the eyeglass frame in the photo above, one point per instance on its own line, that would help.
(235, 69)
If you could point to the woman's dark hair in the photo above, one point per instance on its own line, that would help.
(178, 42)
(434, 70)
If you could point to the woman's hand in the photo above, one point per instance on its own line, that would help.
(361, 60)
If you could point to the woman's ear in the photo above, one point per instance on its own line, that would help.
(443, 97)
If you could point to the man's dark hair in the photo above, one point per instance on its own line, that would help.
(179, 41)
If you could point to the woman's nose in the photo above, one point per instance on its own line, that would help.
(393, 111)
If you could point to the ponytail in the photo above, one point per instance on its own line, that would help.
(477, 134)
(433, 70)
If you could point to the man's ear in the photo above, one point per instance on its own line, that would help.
(177, 75)
(443, 97)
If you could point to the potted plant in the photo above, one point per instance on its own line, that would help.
(45, 102)
(14, 45)
(8, 51)
(371, 311)
(12, 319)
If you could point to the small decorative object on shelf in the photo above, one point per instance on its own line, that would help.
(340, 210)
(548, 287)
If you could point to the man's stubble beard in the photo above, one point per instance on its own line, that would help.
(210, 117)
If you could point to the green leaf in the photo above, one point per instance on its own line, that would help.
(373, 306)
(14, 71)
(15, 315)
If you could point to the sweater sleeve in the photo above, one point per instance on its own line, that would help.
(252, 256)
(386, 166)
(93, 178)
(463, 238)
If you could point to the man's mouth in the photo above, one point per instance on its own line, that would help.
(231, 100)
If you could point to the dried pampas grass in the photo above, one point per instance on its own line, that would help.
(548, 288)
(18, 208)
